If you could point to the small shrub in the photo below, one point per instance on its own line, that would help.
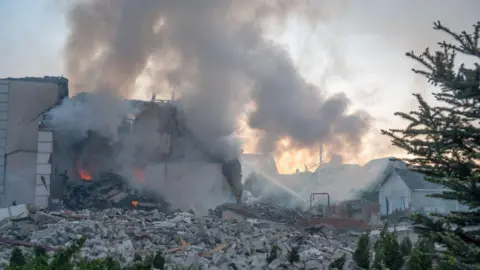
(293, 255)
(17, 258)
(273, 254)
(233, 266)
(406, 246)
(137, 257)
(391, 249)
(159, 260)
(361, 256)
(338, 262)
(387, 251)
(378, 262)
(421, 257)
(64, 259)
(69, 258)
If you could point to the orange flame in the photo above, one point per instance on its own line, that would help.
(134, 203)
(84, 175)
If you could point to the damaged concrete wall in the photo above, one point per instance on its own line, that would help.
(22, 103)
(189, 185)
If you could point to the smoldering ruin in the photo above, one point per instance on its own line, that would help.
(148, 150)
(168, 170)
(216, 58)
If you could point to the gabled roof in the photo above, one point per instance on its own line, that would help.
(415, 180)
(379, 170)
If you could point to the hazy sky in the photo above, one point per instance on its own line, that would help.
(358, 48)
(32, 34)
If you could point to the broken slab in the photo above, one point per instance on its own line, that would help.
(14, 212)
(43, 218)
(230, 215)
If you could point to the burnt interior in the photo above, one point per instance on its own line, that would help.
(92, 156)
(94, 179)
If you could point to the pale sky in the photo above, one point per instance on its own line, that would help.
(32, 34)
(359, 49)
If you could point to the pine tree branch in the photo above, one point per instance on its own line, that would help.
(445, 143)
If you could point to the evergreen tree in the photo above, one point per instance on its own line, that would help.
(293, 255)
(159, 260)
(378, 261)
(445, 142)
(406, 246)
(17, 258)
(421, 257)
(361, 256)
(338, 263)
(393, 257)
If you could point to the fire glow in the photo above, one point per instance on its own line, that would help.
(84, 175)
(134, 203)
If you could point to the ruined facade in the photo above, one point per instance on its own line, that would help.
(154, 149)
(25, 160)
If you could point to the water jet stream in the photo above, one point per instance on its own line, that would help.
(274, 181)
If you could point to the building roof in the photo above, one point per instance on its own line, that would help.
(379, 170)
(61, 81)
(415, 180)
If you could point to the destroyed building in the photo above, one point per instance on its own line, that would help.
(154, 151)
(25, 151)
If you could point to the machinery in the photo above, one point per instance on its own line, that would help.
(352, 214)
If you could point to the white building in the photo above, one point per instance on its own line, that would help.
(403, 189)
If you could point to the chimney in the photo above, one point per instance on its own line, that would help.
(154, 97)
(173, 94)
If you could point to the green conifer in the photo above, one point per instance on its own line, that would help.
(361, 256)
(444, 140)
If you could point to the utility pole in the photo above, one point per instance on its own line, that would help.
(321, 155)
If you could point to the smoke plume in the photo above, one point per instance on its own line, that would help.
(217, 55)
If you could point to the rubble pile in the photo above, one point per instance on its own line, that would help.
(186, 240)
(111, 190)
(263, 211)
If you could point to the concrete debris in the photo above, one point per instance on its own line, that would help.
(44, 218)
(193, 242)
(259, 210)
(14, 212)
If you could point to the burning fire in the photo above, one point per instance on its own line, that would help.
(84, 175)
(134, 203)
(290, 158)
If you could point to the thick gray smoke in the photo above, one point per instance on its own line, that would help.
(101, 112)
(216, 54)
